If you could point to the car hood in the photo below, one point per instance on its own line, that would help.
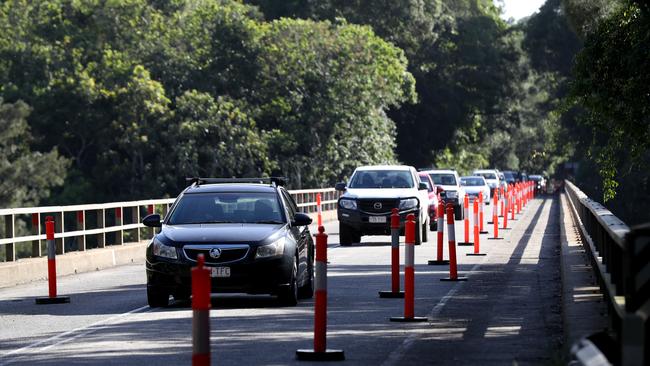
(380, 193)
(219, 233)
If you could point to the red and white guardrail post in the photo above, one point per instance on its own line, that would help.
(466, 215)
(320, 351)
(394, 258)
(201, 289)
(409, 275)
(506, 199)
(440, 229)
(476, 232)
(512, 207)
(51, 267)
(451, 230)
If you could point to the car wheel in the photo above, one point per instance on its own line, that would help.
(288, 295)
(356, 237)
(306, 291)
(458, 212)
(345, 234)
(425, 232)
(433, 225)
(418, 233)
(157, 298)
(182, 296)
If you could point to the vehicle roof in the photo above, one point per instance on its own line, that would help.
(473, 176)
(230, 187)
(385, 167)
(485, 171)
(448, 171)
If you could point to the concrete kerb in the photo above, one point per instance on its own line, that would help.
(582, 303)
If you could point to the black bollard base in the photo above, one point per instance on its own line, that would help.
(476, 254)
(327, 355)
(52, 300)
(391, 294)
(465, 244)
(449, 279)
(495, 238)
(402, 319)
(438, 263)
(483, 232)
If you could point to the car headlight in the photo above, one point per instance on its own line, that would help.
(348, 204)
(452, 194)
(271, 250)
(408, 204)
(162, 250)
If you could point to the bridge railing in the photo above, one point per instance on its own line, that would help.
(82, 227)
(620, 257)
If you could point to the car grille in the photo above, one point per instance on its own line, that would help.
(228, 253)
(386, 205)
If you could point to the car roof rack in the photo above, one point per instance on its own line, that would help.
(273, 181)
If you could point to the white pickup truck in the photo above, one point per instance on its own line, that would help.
(366, 204)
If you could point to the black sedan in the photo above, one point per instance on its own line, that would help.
(252, 236)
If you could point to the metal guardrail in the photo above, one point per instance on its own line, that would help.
(620, 257)
(82, 227)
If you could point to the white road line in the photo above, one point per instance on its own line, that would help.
(395, 356)
(62, 337)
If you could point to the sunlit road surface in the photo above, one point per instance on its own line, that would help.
(507, 311)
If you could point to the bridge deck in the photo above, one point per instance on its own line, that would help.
(508, 311)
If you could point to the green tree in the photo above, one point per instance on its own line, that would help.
(27, 175)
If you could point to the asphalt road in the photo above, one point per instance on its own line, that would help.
(108, 320)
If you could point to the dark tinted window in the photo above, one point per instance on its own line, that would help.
(443, 179)
(237, 207)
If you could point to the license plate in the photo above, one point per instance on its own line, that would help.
(220, 271)
(377, 219)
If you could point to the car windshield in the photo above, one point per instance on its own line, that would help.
(509, 176)
(382, 179)
(472, 181)
(444, 179)
(487, 175)
(535, 177)
(227, 207)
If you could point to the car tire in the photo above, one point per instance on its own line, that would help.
(288, 295)
(433, 225)
(345, 235)
(425, 232)
(418, 233)
(458, 212)
(182, 296)
(356, 237)
(157, 298)
(306, 291)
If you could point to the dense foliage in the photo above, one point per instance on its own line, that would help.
(122, 99)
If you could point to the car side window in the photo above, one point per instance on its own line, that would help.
(290, 203)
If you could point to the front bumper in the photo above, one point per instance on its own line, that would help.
(262, 276)
(359, 221)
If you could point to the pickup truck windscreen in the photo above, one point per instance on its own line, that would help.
(382, 179)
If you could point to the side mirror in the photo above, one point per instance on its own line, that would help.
(340, 186)
(152, 220)
(423, 186)
(301, 219)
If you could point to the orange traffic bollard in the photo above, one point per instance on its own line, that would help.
(481, 202)
(320, 210)
(409, 275)
(51, 267)
(453, 265)
(394, 258)
(495, 217)
(440, 229)
(476, 232)
(466, 219)
(201, 289)
(320, 351)
(506, 200)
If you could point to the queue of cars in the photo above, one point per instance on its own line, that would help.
(254, 239)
